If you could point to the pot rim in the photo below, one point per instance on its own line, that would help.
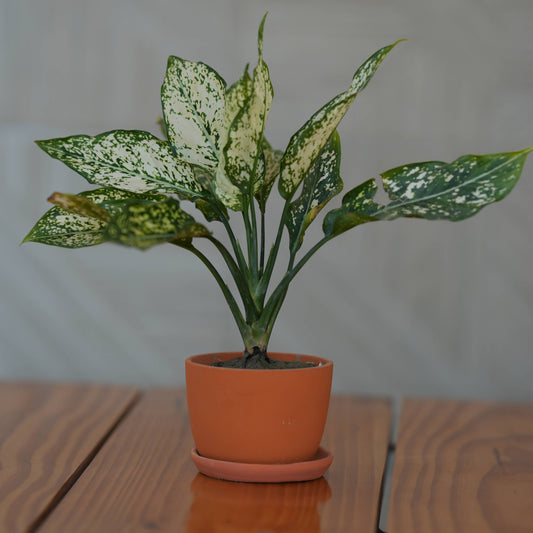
(322, 362)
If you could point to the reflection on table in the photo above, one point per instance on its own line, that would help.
(220, 506)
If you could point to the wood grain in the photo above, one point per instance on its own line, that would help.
(358, 434)
(144, 479)
(463, 467)
(48, 434)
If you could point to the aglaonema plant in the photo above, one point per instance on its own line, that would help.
(215, 155)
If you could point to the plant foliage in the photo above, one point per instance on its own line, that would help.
(215, 155)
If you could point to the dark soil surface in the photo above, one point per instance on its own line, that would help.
(260, 362)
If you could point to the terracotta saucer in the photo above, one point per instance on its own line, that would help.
(261, 473)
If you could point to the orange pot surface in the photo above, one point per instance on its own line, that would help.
(257, 416)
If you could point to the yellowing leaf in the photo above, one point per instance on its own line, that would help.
(143, 225)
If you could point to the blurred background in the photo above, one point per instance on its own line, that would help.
(404, 308)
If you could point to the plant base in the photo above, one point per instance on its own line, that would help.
(260, 361)
(263, 473)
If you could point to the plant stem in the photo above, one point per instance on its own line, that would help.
(267, 274)
(235, 311)
(254, 238)
(263, 236)
(234, 242)
(252, 247)
(273, 306)
(252, 311)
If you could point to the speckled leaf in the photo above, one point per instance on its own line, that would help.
(272, 161)
(357, 205)
(431, 190)
(236, 96)
(193, 96)
(58, 227)
(244, 146)
(305, 145)
(225, 191)
(207, 181)
(146, 224)
(61, 228)
(134, 161)
(322, 183)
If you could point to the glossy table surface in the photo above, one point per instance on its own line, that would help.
(104, 458)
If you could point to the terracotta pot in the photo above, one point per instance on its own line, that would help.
(257, 416)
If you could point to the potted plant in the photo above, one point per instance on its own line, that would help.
(250, 409)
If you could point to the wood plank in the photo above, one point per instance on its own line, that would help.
(358, 434)
(144, 479)
(463, 467)
(48, 434)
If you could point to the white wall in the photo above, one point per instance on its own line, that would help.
(408, 307)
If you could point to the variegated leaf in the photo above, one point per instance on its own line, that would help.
(244, 146)
(236, 96)
(305, 145)
(431, 190)
(322, 183)
(207, 181)
(272, 161)
(228, 194)
(144, 225)
(193, 97)
(133, 161)
(60, 227)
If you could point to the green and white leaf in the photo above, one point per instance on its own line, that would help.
(236, 96)
(431, 190)
(193, 97)
(59, 227)
(357, 205)
(133, 161)
(322, 183)
(305, 145)
(243, 149)
(227, 193)
(144, 225)
(272, 163)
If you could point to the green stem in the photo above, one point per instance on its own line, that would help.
(273, 306)
(265, 279)
(252, 311)
(263, 238)
(234, 242)
(254, 237)
(251, 242)
(235, 311)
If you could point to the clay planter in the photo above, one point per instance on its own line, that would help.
(257, 416)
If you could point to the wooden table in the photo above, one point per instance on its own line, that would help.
(101, 458)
